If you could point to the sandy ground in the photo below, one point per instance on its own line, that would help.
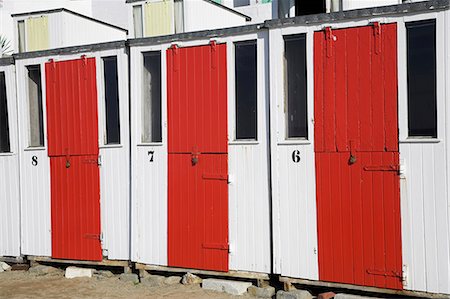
(22, 284)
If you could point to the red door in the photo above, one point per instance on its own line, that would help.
(73, 150)
(198, 157)
(357, 158)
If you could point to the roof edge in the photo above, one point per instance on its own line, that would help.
(247, 18)
(56, 10)
(6, 60)
(71, 50)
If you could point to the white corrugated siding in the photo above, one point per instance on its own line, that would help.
(9, 176)
(293, 184)
(34, 180)
(425, 179)
(149, 179)
(249, 199)
(115, 169)
(114, 172)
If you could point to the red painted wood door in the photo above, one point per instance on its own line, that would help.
(198, 157)
(72, 128)
(357, 158)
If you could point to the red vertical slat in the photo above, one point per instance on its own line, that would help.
(365, 115)
(377, 92)
(318, 91)
(341, 90)
(329, 104)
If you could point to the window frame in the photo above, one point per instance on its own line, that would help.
(286, 38)
(105, 107)
(255, 139)
(8, 123)
(142, 20)
(42, 145)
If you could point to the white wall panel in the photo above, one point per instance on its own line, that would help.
(115, 168)
(424, 179)
(149, 179)
(9, 175)
(34, 180)
(293, 184)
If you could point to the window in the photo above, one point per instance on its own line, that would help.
(151, 102)
(246, 90)
(238, 3)
(295, 85)
(35, 106)
(137, 21)
(111, 100)
(421, 65)
(309, 7)
(179, 16)
(21, 30)
(4, 124)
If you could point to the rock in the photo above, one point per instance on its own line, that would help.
(347, 296)
(172, 280)
(153, 280)
(327, 295)
(265, 292)
(75, 272)
(294, 294)
(5, 266)
(227, 286)
(41, 270)
(1, 270)
(134, 278)
(104, 273)
(20, 267)
(190, 278)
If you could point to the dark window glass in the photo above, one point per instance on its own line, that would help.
(309, 7)
(238, 3)
(246, 90)
(4, 124)
(295, 68)
(421, 48)
(151, 102)
(111, 100)
(35, 106)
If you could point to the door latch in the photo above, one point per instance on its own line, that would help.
(352, 159)
(194, 156)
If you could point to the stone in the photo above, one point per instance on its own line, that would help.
(153, 280)
(264, 292)
(129, 277)
(227, 286)
(190, 278)
(41, 270)
(327, 295)
(104, 273)
(75, 272)
(294, 294)
(172, 280)
(5, 266)
(348, 296)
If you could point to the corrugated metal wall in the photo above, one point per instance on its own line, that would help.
(9, 176)
(425, 179)
(293, 184)
(158, 18)
(37, 32)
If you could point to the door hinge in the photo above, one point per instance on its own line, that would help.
(330, 39)
(394, 168)
(213, 45)
(175, 56)
(93, 237)
(385, 273)
(211, 176)
(99, 160)
(216, 246)
(378, 37)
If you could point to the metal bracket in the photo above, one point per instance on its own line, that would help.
(213, 45)
(385, 273)
(330, 38)
(378, 37)
(176, 58)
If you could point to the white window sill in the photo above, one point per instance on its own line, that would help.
(32, 149)
(106, 146)
(243, 142)
(7, 154)
(420, 140)
(295, 142)
(150, 144)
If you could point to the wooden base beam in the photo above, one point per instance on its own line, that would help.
(107, 263)
(237, 274)
(288, 282)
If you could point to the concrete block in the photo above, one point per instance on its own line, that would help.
(134, 278)
(75, 272)
(348, 296)
(104, 273)
(327, 295)
(294, 294)
(153, 280)
(190, 278)
(264, 292)
(227, 286)
(5, 267)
